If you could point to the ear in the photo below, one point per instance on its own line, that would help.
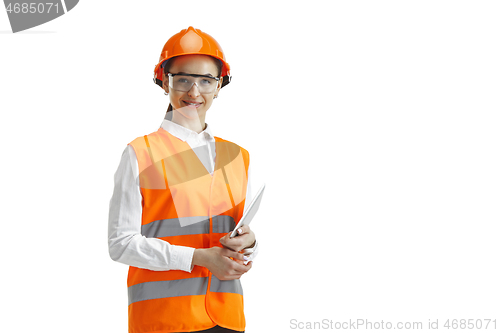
(219, 86)
(165, 83)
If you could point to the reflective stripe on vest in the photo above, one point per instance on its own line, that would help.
(161, 289)
(185, 287)
(194, 226)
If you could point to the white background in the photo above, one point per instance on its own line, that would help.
(375, 125)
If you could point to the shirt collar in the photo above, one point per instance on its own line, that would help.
(184, 133)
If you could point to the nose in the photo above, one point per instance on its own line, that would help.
(194, 91)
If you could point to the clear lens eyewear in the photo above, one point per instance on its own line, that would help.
(184, 82)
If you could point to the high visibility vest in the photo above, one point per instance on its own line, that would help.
(184, 204)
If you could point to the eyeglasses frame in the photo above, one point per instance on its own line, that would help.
(194, 75)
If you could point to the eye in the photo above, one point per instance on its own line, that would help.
(206, 82)
(182, 80)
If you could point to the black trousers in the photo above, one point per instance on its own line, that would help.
(218, 329)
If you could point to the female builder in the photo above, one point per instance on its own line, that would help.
(178, 193)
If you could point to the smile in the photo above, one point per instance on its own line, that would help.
(191, 104)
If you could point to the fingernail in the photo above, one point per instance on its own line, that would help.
(245, 257)
(240, 231)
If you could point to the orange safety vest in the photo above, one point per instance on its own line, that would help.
(185, 205)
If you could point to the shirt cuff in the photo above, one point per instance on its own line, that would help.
(252, 256)
(182, 257)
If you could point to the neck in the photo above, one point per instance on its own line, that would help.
(194, 124)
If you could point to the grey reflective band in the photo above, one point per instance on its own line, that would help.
(222, 224)
(162, 289)
(226, 286)
(192, 226)
(184, 287)
(172, 227)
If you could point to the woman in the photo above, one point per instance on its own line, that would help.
(178, 192)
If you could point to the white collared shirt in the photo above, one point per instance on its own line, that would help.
(125, 242)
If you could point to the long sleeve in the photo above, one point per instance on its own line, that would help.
(125, 242)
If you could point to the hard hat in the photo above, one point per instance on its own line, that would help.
(191, 41)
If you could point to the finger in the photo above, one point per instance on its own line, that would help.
(240, 261)
(233, 271)
(245, 229)
(241, 268)
(237, 243)
(247, 251)
(233, 254)
(226, 242)
(229, 248)
(229, 277)
(242, 271)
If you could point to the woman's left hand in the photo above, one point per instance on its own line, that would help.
(244, 239)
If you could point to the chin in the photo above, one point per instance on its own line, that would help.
(189, 113)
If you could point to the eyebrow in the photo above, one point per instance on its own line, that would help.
(208, 74)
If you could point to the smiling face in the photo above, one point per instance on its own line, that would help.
(192, 105)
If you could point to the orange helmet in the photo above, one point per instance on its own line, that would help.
(191, 41)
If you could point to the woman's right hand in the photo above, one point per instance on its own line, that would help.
(218, 261)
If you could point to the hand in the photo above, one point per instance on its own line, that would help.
(218, 261)
(244, 239)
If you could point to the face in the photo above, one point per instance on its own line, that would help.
(192, 104)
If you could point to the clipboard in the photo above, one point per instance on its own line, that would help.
(251, 211)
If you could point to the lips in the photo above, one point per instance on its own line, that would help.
(191, 103)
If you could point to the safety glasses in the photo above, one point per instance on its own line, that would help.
(183, 82)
